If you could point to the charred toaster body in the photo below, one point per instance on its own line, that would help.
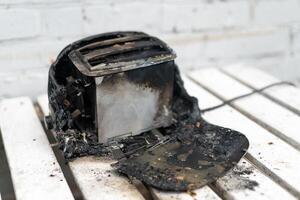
(123, 83)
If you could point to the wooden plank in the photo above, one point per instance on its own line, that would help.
(280, 121)
(42, 101)
(34, 169)
(286, 95)
(274, 154)
(95, 176)
(203, 193)
(246, 182)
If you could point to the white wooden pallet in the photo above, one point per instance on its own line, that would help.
(270, 169)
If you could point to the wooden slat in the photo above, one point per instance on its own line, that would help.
(34, 169)
(280, 121)
(203, 193)
(94, 176)
(285, 95)
(42, 101)
(246, 182)
(276, 155)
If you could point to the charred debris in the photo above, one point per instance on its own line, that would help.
(171, 146)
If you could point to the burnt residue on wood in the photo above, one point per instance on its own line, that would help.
(186, 154)
(192, 153)
(239, 178)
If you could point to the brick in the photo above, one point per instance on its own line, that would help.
(276, 12)
(19, 23)
(199, 15)
(31, 54)
(63, 22)
(143, 16)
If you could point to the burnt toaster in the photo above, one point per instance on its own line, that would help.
(115, 84)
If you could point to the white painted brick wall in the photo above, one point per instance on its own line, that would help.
(264, 33)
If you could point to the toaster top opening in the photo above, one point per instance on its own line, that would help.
(119, 51)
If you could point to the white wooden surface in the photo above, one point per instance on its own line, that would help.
(270, 166)
(34, 168)
(239, 186)
(203, 193)
(95, 178)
